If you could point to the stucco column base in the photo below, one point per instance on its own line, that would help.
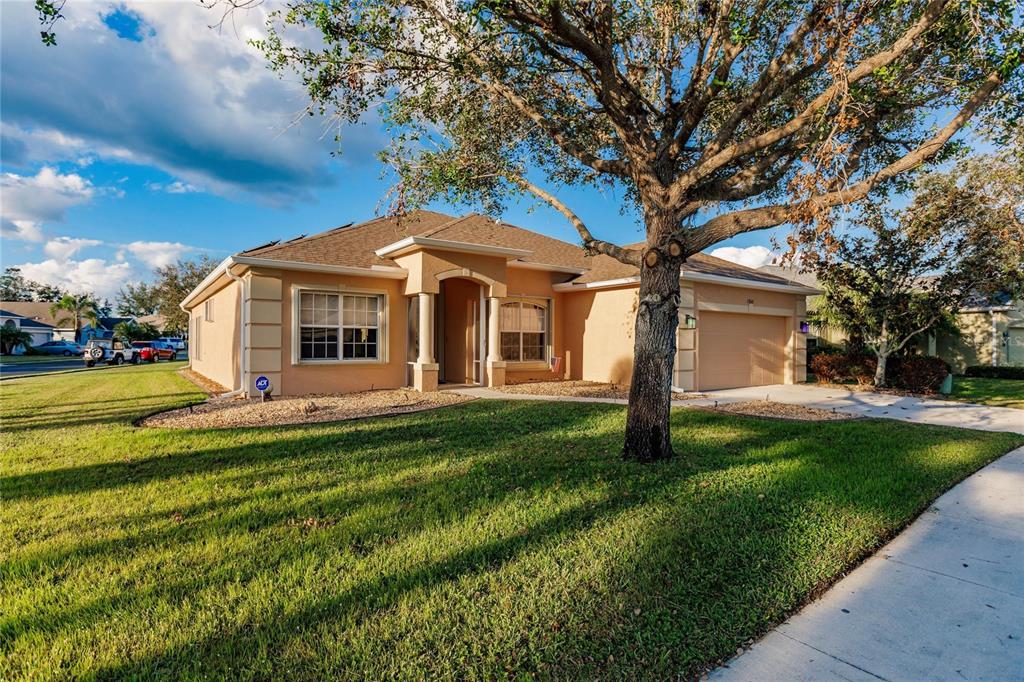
(495, 373)
(424, 377)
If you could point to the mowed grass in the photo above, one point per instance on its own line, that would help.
(491, 539)
(997, 392)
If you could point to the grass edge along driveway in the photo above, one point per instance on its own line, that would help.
(491, 539)
(985, 391)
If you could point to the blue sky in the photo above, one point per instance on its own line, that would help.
(146, 136)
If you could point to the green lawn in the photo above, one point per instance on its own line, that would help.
(998, 392)
(491, 539)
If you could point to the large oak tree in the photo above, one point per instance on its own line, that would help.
(714, 117)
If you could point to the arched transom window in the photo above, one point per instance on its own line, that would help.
(523, 331)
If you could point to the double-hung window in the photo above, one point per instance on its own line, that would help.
(340, 326)
(523, 331)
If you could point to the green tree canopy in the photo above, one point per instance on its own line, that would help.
(898, 273)
(173, 283)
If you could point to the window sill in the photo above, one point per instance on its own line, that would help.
(514, 365)
(299, 363)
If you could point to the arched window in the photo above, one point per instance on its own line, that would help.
(523, 331)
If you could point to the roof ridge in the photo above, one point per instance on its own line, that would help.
(445, 226)
(349, 226)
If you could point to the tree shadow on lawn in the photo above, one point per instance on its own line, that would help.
(663, 567)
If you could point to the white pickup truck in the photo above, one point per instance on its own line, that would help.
(110, 351)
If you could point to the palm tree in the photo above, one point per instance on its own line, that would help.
(75, 308)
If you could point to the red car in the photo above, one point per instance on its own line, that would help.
(151, 351)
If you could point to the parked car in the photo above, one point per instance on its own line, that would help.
(111, 351)
(61, 347)
(176, 342)
(151, 351)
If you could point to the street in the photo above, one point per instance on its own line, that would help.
(11, 370)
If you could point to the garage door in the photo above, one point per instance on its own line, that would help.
(740, 350)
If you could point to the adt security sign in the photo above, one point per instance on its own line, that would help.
(262, 384)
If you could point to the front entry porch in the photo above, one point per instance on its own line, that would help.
(454, 335)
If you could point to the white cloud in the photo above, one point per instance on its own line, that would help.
(179, 187)
(199, 104)
(28, 201)
(63, 248)
(176, 187)
(157, 254)
(751, 256)
(94, 275)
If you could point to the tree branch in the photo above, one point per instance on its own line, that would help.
(627, 256)
(738, 222)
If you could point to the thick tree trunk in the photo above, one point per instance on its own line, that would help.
(882, 359)
(648, 437)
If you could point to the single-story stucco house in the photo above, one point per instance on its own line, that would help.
(39, 311)
(991, 333)
(429, 299)
(40, 332)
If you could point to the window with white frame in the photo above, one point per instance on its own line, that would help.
(208, 310)
(340, 326)
(523, 331)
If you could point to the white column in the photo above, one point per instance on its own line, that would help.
(426, 329)
(494, 330)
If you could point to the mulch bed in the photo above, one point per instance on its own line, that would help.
(311, 409)
(774, 410)
(580, 389)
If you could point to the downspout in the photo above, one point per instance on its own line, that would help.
(242, 350)
(995, 338)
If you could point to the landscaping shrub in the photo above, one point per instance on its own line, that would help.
(862, 368)
(919, 373)
(989, 372)
(830, 368)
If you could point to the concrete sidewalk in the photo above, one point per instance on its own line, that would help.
(943, 601)
(869, 404)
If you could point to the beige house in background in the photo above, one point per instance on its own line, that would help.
(989, 335)
(430, 299)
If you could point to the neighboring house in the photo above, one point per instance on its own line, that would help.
(39, 311)
(104, 328)
(156, 319)
(828, 335)
(431, 299)
(991, 333)
(39, 331)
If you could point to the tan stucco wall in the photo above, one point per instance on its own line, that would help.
(974, 345)
(599, 334)
(218, 356)
(424, 266)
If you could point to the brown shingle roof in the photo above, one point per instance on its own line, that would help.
(35, 310)
(355, 245)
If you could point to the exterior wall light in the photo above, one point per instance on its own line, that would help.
(690, 322)
(804, 327)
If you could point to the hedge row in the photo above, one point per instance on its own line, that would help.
(990, 372)
(917, 373)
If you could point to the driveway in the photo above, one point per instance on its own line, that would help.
(868, 404)
(943, 601)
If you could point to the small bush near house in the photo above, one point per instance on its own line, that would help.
(920, 373)
(830, 368)
(862, 369)
(989, 372)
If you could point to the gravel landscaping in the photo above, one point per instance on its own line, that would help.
(768, 408)
(300, 410)
(581, 389)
